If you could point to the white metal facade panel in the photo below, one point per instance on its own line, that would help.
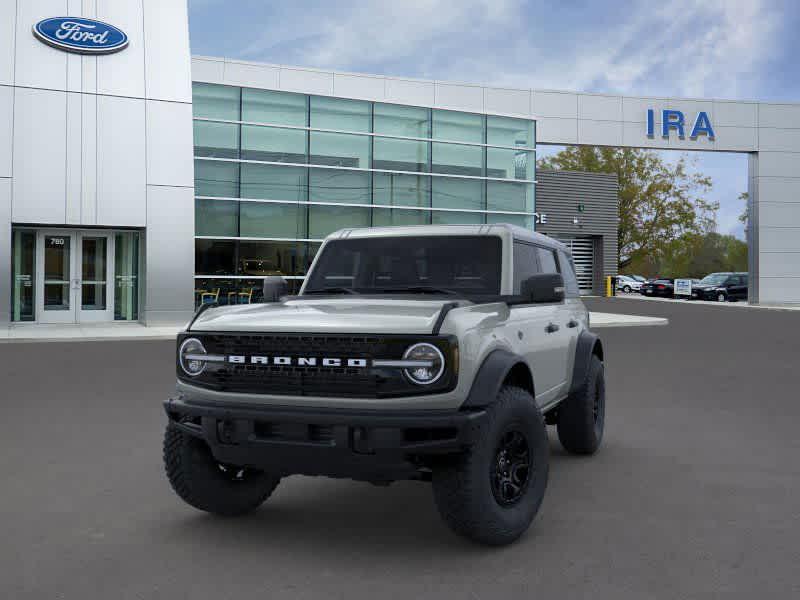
(210, 70)
(5, 249)
(6, 128)
(121, 170)
(169, 144)
(121, 73)
(8, 24)
(36, 64)
(89, 159)
(459, 97)
(242, 73)
(600, 108)
(74, 159)
(408, 91)
(350, 86)
(39, 156)
(166, 52)
(511, 102)
(306, 81)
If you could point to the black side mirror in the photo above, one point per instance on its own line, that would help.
(274, 288)
(543, 287)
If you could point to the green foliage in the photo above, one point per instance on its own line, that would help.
(694, 255)
(660, 203)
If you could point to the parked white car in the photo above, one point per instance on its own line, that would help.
(628, 284)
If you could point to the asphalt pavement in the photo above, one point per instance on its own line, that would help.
(694, 494)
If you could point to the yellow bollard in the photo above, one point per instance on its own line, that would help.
(608, 287)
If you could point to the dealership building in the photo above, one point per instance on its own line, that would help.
(137, 181)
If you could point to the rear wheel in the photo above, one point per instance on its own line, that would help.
(492, 492)
(204, 483)
(581, 417)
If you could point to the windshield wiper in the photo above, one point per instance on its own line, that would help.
(418, 289)
(331, 290)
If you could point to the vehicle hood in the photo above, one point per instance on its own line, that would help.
(326, 315)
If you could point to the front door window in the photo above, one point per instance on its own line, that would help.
(57, 273)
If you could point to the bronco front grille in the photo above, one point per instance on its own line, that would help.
(319, 380)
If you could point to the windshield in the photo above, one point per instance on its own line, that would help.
(714, 279)
(451, 265)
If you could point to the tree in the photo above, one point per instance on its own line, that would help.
(659, 202)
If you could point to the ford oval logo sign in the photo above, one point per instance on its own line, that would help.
(76, 34)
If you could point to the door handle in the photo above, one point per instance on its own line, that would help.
(552, 328)
(572, 323)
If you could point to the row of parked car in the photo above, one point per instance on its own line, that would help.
(722, 287)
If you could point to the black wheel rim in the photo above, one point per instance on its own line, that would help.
(510, 471)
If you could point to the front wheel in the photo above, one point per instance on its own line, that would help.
(721, 297)
(204, 483)
(627, 289)
(492, 492)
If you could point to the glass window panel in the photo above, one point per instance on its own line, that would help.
(323, 220)
(507, 195)
(442, 217)
(457, 159)
(216, 178)
(338, 185)
(126, 276)
(281, 108)
(273, 144)
(214, 257)
(93, 273)
(337, 113)
(525, 264)
(307, 250)
(407, 121)
(274, 182)
(382, 217)
(520, 220)
(215, 101)
(218, 218)
(268, 258)
(400, 155)
(57, 272)
(457, 126)
(509, 164)
(23, 260)
(402, 190)
(547, 260)
(208, 291)
(507, 131)
(452, 192)
(339, 150)
(264, 219)
(220, 140)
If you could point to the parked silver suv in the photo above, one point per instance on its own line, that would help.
(435, 353)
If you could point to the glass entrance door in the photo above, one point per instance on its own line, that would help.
(74, 272)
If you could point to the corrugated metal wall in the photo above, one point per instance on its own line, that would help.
(559, 194)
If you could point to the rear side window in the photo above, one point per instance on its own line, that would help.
(571, 289)
(547, 260)
(525, 264)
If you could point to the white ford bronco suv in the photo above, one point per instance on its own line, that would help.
(435, 353)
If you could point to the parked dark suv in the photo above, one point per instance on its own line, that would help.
(721, 287)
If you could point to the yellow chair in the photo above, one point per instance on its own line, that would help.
(246, 296)
(210, 297)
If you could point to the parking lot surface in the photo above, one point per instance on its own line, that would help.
(694, 493)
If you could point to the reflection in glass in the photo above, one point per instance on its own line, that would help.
(23, 260)
(441, 217)
(93, 273)
(338, 185)
(273, 144)
(280, 108)
(400, 189)
(268, 220)
(341, 114)
(457, 159)
(382, 217)
(214, 257)
(273, 182)
(507, 131)
(216, 217)
(508, 195)
(521, 220)
(452, 192)
(219, 140)
(406, 121)
(323, 220)
(56, 272)
(216, 178)
(126, 276)
(267, 258)
(215, 101)
(339, 150)
(509, 164)
(457, 126)
(400, 155)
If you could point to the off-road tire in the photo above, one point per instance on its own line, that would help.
(205, 484)
(581, 417)
(463, 487)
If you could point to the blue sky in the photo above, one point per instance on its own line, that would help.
(740, 49)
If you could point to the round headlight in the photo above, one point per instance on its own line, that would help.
(190, 355)
(431, 363)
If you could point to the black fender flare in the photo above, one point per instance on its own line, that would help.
(589, 344)
(490, 377)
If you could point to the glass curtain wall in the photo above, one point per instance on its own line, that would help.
(275, 172)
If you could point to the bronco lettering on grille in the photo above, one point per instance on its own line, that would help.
(298, 361)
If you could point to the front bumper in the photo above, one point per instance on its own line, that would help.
(357, 444)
